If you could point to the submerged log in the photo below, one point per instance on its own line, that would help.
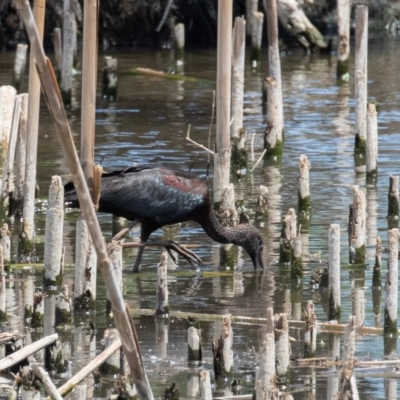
(296, 22)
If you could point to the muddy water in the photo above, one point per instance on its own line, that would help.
(148, 123)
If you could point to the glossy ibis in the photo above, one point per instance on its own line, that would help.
(155, 196)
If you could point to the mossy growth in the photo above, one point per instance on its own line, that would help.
(195, 355)
(63, 316)
(283, 379)
(84, 302)
(37, 320)
(108, 369)
(324, 279)
(342, 70)
(66, 96)
(49, 282)
(296, 268)
(389, 326)
(393, 208)
(26, 246)
(171, 393)
(227, 257)
(60, 365)
(376, 276)
(285, 251)
(275, 151)
(309, 352)
(192, 321)
(334, 311)
(28, 310)
(162, 311)
(360, 148)
(360, 255)
(238, 158)
(304, 205)
(376, 300)
(3, 316)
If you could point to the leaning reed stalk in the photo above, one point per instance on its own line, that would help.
(334, 272)
(122, 318)
(391, 286)
(33, 129)
(361, 76)
(115, 253)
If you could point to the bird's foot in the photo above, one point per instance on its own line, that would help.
(191, 257)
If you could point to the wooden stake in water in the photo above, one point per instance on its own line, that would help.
(282, 348)
(32, 138)
(334, 272)
(223, 99)
(68, 51)
(303, 184)
(19, 65)
(58, 54)
(310, 333)
(5, 243)
(53, 246)
(7, 100)
(194, 344)
(179, 31)
(251, 8)
(7, 182)
(38, 310)
(238, 133)
(222, 349)
(20, 155)
(361, 77)
(288, 233)
(3, 304)
(358, 232)
(266, 372)
(343, 50)
(391, 285)
(256, 36)
(262, 204)
(85, 268)
(348, 386)
(205, 386)
(110, 78)
(63, 308)
(296, 263)
(393, 197)
(273, 140)
(112, 365)
(162, 285)
(372, 141)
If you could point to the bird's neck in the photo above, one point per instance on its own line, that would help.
(216, 231)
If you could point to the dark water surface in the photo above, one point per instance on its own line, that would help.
(148, 123)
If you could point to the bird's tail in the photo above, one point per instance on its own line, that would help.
(70, 196)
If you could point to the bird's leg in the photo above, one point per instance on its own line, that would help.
(124, 231)
(144, 235)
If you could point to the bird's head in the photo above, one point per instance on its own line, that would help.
(254, 246)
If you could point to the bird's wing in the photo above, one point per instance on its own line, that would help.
(167, 196)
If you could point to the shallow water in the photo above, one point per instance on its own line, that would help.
(148, 123)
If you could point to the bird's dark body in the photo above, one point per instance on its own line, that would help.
(156, 196)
